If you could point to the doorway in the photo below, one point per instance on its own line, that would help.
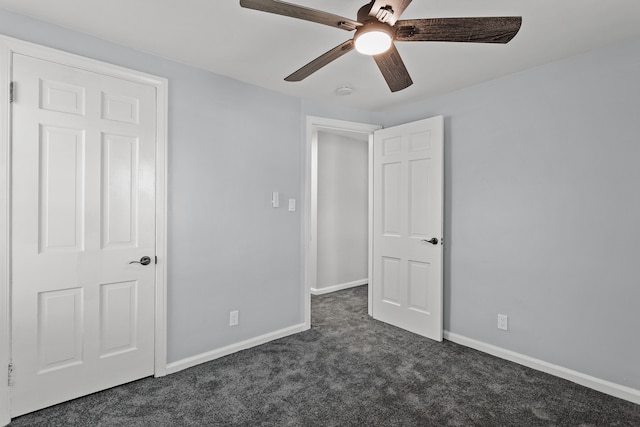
(331, 130)
(340, 233)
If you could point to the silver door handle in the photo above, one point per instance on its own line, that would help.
(433, 241)
(145, 260)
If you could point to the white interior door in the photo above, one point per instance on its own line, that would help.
(407, 215)
(83, 207)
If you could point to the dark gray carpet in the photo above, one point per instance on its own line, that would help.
(348, 370)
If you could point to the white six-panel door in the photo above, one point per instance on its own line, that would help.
(407, 215)
(83, 208)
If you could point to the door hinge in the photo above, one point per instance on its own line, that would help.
(10, 375)
(156, 259)
(11, 86)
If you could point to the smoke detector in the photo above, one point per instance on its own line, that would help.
(344, 91)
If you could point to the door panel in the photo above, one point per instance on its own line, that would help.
(419, 205)
(83, 207)
(391, 280)
(418, 299)
(118, 326)
(407, 211)
(392, 189)
(59, 329)
(60, 188)
(119, 196)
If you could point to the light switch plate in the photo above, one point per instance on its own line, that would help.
(292, 205)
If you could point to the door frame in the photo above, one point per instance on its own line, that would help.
(8, 47)
(310, 225)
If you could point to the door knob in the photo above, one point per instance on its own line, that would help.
(433, 241)
(145, 260)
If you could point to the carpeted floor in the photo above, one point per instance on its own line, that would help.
(348, 370)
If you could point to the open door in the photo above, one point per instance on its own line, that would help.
(407, 226)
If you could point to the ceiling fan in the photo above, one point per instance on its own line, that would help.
(378, 27)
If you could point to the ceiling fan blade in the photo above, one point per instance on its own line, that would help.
(301, 12)
(321, 61)
(393, 69)
(469, 30)
(379, 10)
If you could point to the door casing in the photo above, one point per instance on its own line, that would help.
(309, 223)
(9, 46)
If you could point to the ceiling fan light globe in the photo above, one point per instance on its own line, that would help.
(373, 42)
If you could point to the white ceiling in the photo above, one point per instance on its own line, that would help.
(261, 48)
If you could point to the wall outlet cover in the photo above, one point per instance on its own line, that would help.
(503, 322)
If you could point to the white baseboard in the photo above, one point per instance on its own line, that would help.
(174, 367)
(603, 386)
(340, 287)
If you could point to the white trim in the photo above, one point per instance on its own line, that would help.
(370, 263)
(309, 245)
(162, 155)
(189, 362)
(339, 287)
(9, 46)
(312, 271)
(5, 250)
(603, 386)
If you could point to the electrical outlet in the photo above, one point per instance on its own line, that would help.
(233, 318)
(503, 322)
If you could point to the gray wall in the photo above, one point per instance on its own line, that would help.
(543, 211)
(343, 210)
(232, 145)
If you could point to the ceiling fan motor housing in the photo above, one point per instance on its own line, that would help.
(373, 24)
(382, 15)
